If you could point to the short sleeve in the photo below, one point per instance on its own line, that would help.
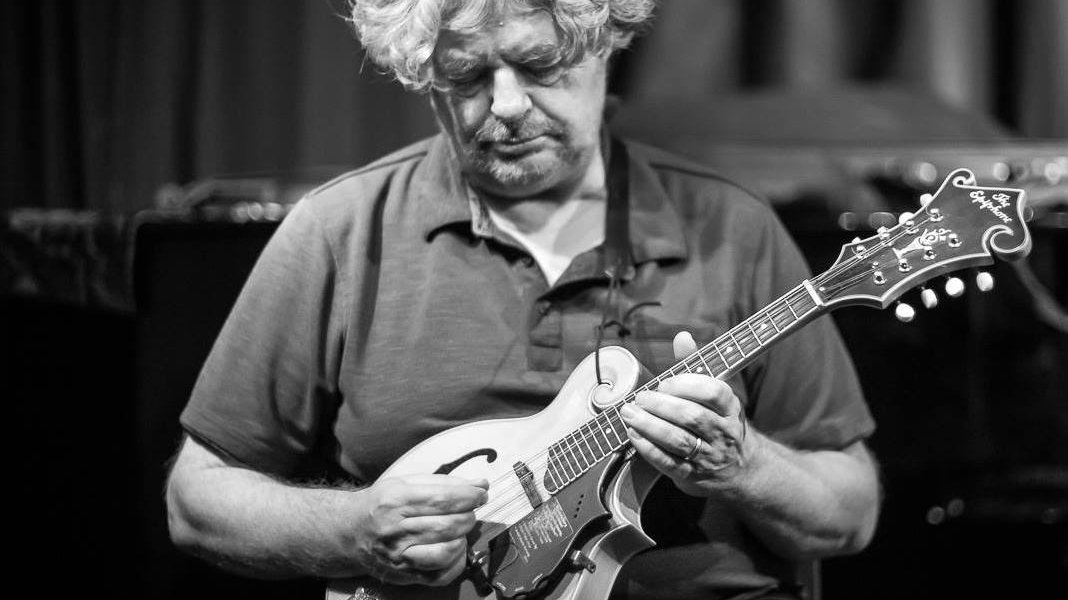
(269, 384)
(804, 391)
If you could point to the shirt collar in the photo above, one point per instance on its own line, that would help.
(655, 227)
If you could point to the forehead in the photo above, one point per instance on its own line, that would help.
(510, 35)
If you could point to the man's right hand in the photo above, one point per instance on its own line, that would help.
(412, 529)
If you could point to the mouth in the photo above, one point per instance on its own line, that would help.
(516, 147)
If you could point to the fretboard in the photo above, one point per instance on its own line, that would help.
(605, 434)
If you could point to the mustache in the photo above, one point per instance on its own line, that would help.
(495, 130)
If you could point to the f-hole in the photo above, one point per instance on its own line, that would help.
(489, 453)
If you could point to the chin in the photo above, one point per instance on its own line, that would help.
(527, 175)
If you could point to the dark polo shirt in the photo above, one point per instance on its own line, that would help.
(380, 314)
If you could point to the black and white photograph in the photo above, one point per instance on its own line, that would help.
(535, 299)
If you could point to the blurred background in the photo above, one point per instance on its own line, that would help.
(150, 147)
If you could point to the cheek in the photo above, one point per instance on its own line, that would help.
(579, 105)
(460, 117)
(469, 114)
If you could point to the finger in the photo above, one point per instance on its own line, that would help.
(708, 391)
(667, 436)
(681, 412)
(450, 573)
(435, 557)
(683, 345)
(439, 479)
(438, 528)
(665, 462)
(442, 499)
(418, 565)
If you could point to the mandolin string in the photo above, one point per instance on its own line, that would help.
(513, 492)
(869, 252)
(780, 307)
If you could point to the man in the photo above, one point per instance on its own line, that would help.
(463, 278)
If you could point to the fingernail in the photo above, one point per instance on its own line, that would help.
(627, 411)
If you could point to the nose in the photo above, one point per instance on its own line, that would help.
(510, 100)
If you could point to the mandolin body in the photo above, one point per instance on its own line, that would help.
(598, 514)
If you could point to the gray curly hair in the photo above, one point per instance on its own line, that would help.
(400, 35)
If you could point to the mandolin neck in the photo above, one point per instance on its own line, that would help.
(724, 356)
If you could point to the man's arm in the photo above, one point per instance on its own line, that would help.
(402, 530)
(802, 504)
(809, 504)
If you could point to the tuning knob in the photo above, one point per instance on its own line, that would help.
(929, 298)
(984, 281)
(904, 312)
(954, 287)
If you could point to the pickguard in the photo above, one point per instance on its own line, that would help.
(534, 552)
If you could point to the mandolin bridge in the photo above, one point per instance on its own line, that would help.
(526, 479)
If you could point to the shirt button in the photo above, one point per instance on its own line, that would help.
(528, 261)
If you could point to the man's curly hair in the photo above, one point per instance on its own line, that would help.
(400, 35)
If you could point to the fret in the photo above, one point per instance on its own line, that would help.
(599, 434)
(719, 366)
(618, 429)
(708, 370)
(564, 466)
(592, 456)
(786, 317)
(596, 453)
(726, 363)
(770, 331)
(576, 452)
(807, 304)
(753, 332)
(790, 306)
(551, 482)
(574, 456)
(749, 343)
(697, 366)
(554, 479)
(736, 347)
(607, 430)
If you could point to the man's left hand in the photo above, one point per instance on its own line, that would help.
(692, 428)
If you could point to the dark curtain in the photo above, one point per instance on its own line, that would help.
(104, 102)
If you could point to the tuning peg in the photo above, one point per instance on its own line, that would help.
(905, 216)
(904, 312)
(984, 281)
(954, 287)
(929, 298)
(926, 199)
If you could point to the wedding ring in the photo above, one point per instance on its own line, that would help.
(696, 447)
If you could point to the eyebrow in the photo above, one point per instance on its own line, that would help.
(534, 53)
(460, 63)
(461, 60)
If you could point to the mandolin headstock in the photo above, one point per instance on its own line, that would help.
(964, 225)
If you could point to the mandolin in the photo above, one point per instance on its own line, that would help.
(565, 492)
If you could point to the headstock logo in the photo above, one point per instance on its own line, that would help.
(994, 204)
